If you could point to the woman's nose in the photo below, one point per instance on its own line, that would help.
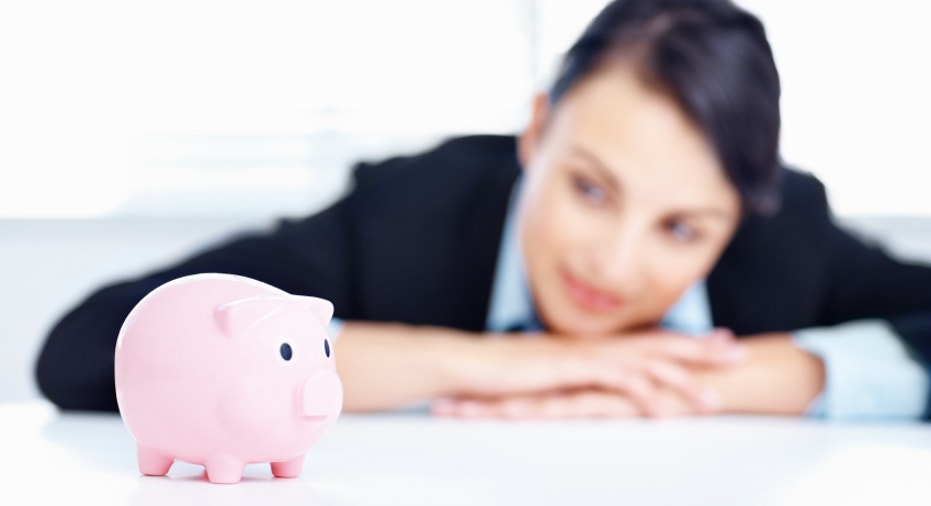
(620, 257)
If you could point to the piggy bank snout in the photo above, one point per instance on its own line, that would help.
(322, 395)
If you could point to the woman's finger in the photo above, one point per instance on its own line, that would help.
(592, 404)
(634, 384)
(713, 352)
(682, 381)
(555, 405)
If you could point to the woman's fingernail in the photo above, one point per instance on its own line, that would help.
(736, 353)
(741, 352)
(722, 334)
(469, 408)
(515, 410)
(711, 400)
(442, 407)
(658, 413)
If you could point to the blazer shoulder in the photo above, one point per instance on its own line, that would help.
(773, 259)
(427, 229)
(472, 154)
(456, 172)
(803, 194)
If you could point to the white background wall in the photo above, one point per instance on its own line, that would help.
(132, 131)
(258, 107)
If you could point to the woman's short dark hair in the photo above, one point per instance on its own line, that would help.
(712, 58)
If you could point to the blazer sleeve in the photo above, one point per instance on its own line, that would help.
(74, 368)
(865, 282)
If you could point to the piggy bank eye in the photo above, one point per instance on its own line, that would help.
(285, 351)
(326, 347)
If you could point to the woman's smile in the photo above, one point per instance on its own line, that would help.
(588, 297)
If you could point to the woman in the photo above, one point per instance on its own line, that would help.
(566, 273)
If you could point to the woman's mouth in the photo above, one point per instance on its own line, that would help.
(588, 297)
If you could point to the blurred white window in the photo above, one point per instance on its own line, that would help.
(260, 107)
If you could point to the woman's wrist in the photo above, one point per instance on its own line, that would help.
(477, 364)
(455, 360)
(778, 378)
(388, 365)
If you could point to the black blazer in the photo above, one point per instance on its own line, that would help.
(416, 241)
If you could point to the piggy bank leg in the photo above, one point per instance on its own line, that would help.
(224, 469)
(152, 463)
(289, 468)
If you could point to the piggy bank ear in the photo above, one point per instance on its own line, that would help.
(321, 308)
(237, 317)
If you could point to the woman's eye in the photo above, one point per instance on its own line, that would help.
(681, 231)
(589, 190)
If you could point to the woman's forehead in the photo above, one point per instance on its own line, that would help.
(638, 138)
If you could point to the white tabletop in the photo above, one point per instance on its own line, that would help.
(412, 459)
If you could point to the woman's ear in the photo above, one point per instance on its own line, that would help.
(529, 141)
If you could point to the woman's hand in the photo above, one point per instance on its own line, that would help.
(778, 378)
(614, 375)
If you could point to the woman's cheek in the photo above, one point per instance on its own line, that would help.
(570, 222)
(673, 268)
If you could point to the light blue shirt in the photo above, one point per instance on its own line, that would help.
(869, 372)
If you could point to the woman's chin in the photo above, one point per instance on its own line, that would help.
(576, 323)
(582, 326)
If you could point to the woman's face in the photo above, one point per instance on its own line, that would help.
(624, 205)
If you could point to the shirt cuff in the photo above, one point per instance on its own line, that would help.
(869, 373)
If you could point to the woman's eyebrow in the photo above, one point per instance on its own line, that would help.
(703, 213)
(614, 184)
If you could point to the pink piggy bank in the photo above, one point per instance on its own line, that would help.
(223, 371)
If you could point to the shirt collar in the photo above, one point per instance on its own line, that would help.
(511, 301)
